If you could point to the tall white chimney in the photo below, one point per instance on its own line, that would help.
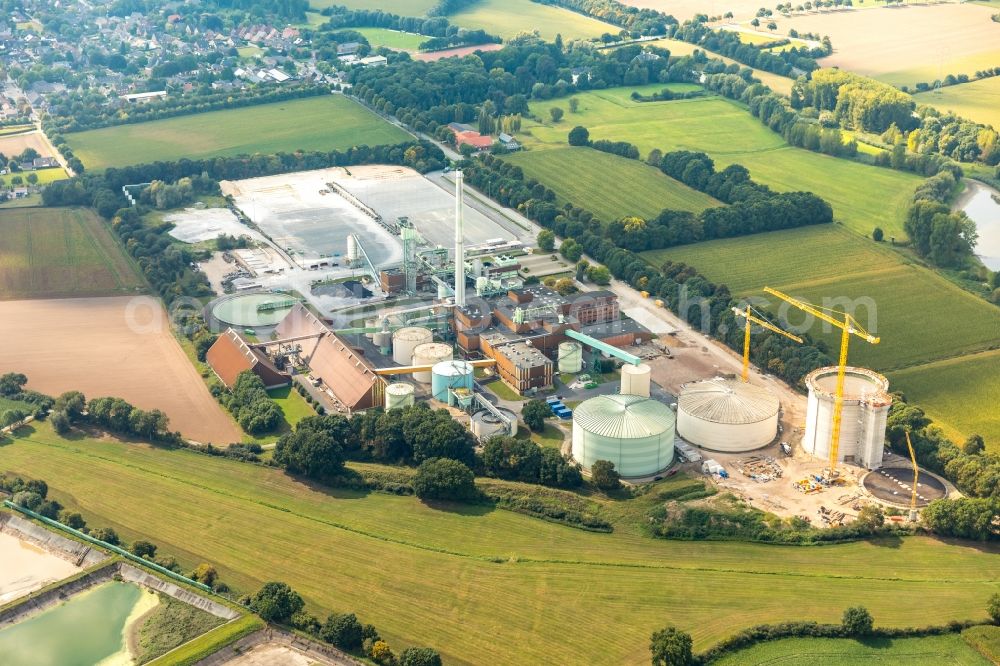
(459, 240)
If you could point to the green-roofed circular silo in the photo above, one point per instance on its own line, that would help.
(636, 433)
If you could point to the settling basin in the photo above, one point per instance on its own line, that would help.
(25, 567)
(88, 629)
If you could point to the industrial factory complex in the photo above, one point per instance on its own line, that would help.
(386, 315)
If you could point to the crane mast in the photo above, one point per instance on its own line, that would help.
(754, 319)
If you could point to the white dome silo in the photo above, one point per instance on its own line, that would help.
(635, 380)
(406, 339)
(727, 415)
(430, 353)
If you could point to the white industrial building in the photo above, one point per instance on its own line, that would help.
(865, 411)
(727, 415)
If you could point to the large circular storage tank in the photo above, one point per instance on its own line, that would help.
(399, 394)
(635, 380)
(862, 425)
(405, 340)
(570, 357)
(450, 375)
(430, 353)
(485, 424)
(634, 432)
(727, 415)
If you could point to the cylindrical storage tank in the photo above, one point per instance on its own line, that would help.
(570, 357)
(727, 415)
(370, 324)
(399, 394)
(383, 341)
(485, 424)
(405, 340)
(352, 248)
(450, 375)
(863, 419)
(635, 380)
(430, 353)
(633, 432)
(481, 285)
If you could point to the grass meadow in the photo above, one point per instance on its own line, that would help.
(986, 640)
(507, 18)
(978, 100)
(393, 39)
(800, 262)
(952, 393)
(927, 651)
(502, 587)
(862, 196)
(581, 176)
(330, 122)
(61, 252)
(293, 406)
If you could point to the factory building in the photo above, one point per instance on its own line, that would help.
(522, 330)
(727, 415)
(635, 433)
(231, 354)
(865, 411)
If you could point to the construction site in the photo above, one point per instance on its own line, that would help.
(376, 288)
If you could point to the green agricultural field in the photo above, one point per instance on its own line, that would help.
(776, 82)
(986, 640)
(799, 262)
(952, 393)
(862, 196)
(329, 122)
(393, 39)
(46, 176)
(582, 175)
(979, 100)
(60, 253)
(502, 588)
(401, 7)
(928, 651)
(507, 18)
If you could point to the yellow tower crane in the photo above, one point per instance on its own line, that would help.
(916, 475)
(848, 326)
(748, 314)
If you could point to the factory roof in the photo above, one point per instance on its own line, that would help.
(728, 401)
(524, 355)
(624, 416)
(230, 355)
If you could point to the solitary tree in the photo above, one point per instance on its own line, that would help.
(604, 476)
(546, 240)
(534, 414)
(857, 621)
(772, 26)
(444, 479)
(419, 657)
(579, 136)
(755, 23)
(574, 104)
(878, 235)
(556, 113)
(276, 602)
(993, 608)
(343, 631)
(144, 549)
(671, 647)
(32, 178)
(871, 516)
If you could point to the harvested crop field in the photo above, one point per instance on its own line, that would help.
(15, 144)
(907, 44)
(978, 100)
(507, 18)
(459, 52)
(329, 122)
(683, 10)
(61, 252)
(120, 346)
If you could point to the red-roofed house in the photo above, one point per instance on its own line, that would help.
(474, 139)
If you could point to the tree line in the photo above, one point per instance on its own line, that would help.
(250, 404)
(946, 238)
(66, 116)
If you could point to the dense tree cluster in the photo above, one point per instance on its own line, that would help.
(163, 196)
(634, 20)
(444, 479)
(523, 460)
(442, 34)
(409, 435)
(728, 43)
(315, 448)
(955, 137)
(858, 102)
(12, 388)
(944, 237)
(119, 416)
(250, 405)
